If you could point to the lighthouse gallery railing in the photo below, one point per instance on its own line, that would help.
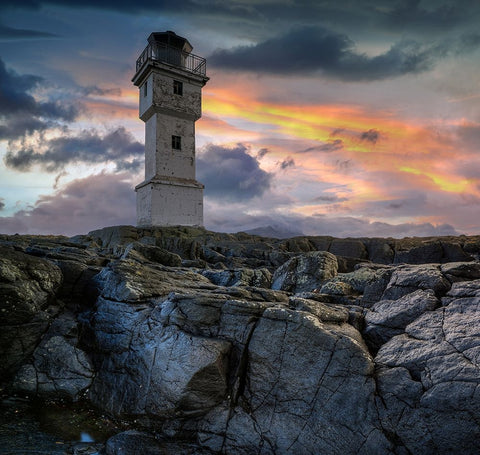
(173, 56)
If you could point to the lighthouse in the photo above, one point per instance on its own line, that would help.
(170, 80)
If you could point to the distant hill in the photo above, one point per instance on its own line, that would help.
(275, 232)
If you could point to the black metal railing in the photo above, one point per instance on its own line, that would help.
(173, 56)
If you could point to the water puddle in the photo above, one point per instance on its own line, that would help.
(53, 429)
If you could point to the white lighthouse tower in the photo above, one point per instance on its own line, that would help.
(170, 80)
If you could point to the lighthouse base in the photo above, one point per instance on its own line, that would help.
(163, 201)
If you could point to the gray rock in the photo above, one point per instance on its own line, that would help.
(140, 443)
(162, 371)
(128, 281)
(364, 286)
(111, 238)
(306, 272)
(408, 278)
(59, 370)
(243, 277)
(380, 251)
(388, 318)
(349, 248)
(453, 252)
(150, 253)
(216, 356)
(427, 252)
(428, 378)
(328, 408)
(341, 292)
(27, 305)
(456, 271)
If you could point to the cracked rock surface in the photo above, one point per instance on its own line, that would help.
(235, 344)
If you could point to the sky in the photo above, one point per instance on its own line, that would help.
(343, 118)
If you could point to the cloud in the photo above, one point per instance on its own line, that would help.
(287, 162)
(370, 136)
(330, 146)
(94, 90)
(329, 199)
(236, 221)
(231, 173)
(21, 113)
(409, 13)
(262, 152)
(20, 33)
(188, 7)
(413, 15)
(83, 205)
(2, 204)
(315, 49)
(89, 146)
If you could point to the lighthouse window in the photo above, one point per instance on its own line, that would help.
(178, 88)
(145, 88)
(176, 142)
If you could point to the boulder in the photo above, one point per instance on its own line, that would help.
(364, 286)
(150, 253)
(114, 238)
(461, 271)
(127, 280)
(328, 408)
(424, 253)
(453, 252)
(380, 251)
(241, 277)
(351, 248)
(305, 272)
(27, 285)
(134, 442)
(164, 373)
(428, 377)
(58, 370)
(388, 318)
(408, 278)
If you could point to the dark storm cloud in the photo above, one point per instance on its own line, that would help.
(135, 165)
(329, 199)
(330, 146)
(94, 90)
(187, 7)
(18, 126)
(442, 15)
(411, 15)
(89, 147)
(467, 42)
(20, 112)
(370, 136)
(2, 204)
(315, 49)
(19, 33)
(262, 152)
(287, 162)
(14, 90)
(395, 205)
(231, 173)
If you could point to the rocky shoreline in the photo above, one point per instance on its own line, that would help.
(199, 342)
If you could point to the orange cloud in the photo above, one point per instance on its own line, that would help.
(400, 148)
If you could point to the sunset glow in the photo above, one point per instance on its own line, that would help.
(379, 137)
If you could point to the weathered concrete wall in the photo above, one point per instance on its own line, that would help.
(170, 195)
(160, 95)
(164, 203)
(160, 158)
